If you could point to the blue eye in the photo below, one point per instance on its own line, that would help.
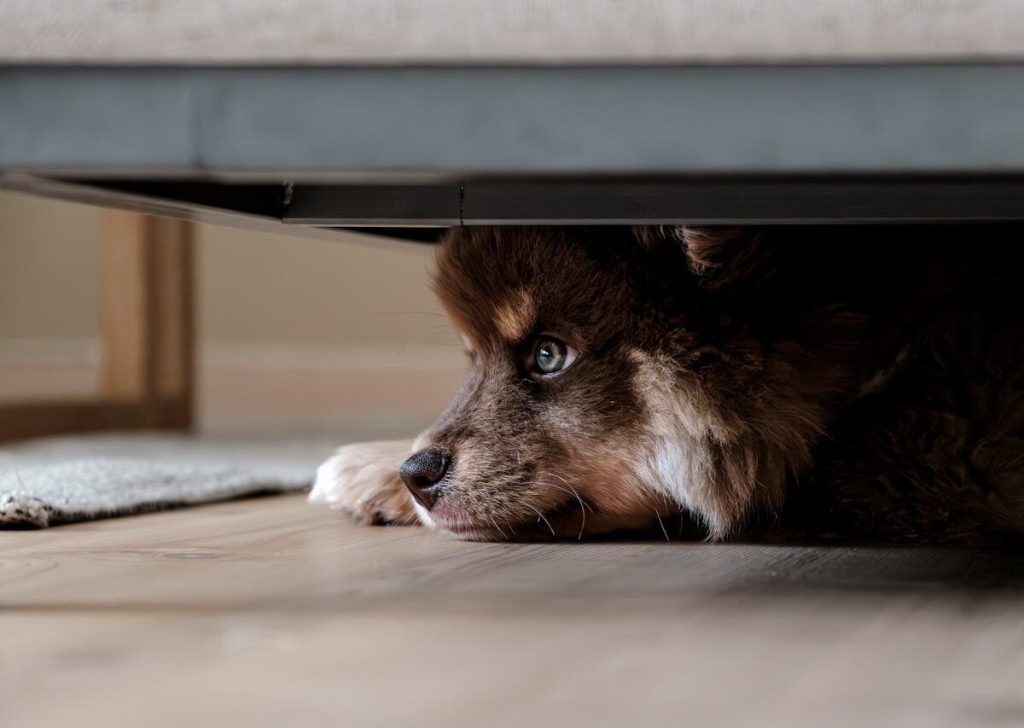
(551, 356)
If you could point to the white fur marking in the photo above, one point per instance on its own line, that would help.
(424, 515)
(677, 461)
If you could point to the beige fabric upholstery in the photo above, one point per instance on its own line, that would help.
(532, 31)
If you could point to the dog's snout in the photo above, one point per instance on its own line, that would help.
(422, 474)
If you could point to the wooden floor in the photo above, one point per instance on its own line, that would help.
(267, 612)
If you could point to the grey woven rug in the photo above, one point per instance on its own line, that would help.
(80, 490)
(77, 479)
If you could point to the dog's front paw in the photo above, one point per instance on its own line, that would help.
(362, 481)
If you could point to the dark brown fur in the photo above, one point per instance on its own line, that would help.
(865, 382)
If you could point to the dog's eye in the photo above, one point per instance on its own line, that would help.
(551, 356)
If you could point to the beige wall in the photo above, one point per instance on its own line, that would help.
(253, 288)
(292, 331)
(48, 269)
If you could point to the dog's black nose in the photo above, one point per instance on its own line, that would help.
(422, 473)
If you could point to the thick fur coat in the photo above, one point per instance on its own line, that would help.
(858, 382)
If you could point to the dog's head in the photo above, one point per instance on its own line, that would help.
(616, 379)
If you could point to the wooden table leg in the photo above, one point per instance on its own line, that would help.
(147, 315)
(147, 335)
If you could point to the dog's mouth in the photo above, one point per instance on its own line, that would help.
(565, 521)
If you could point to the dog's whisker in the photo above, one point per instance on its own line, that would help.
(571, 488)
(583, 508)
(495, 523)
(571, 491)
(662, 524)
(541, 517)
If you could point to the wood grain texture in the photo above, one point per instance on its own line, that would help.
(411, 31)
(266, 612)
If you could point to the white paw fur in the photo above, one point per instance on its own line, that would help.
(362, 481)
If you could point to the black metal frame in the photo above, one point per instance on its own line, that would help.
(417, 212)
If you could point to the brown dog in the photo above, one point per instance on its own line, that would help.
(863, 382)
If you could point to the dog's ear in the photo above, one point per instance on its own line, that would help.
(720, 257)
(727, 256)
(658, 236)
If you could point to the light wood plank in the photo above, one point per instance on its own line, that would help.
(267, 612)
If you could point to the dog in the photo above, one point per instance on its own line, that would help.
(849, 382)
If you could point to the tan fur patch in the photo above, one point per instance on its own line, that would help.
(514, 319)
(610, 496)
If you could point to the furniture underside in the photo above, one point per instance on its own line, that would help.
(436, 146)
(408, 151)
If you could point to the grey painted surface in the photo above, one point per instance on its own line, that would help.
(319, 123)
(88, 119)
